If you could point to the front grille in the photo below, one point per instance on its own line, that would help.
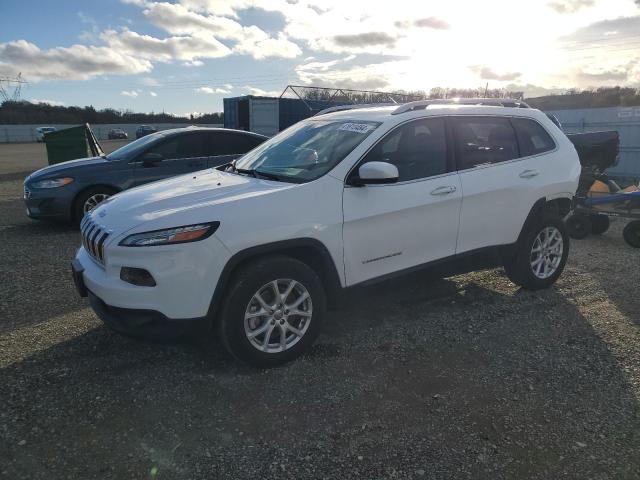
(93, 238)
(27, 193)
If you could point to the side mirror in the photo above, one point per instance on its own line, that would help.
(376, 173)
(150, 159)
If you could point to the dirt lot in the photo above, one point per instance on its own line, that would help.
(466, 377)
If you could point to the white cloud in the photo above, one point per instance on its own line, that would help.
(77, 62)
(153, 94)
(194, 63)
(177, 19)
(187, 48)
(262, 93)
(212, 90)
(259, 45)
(487, 73)
(328, 74)
(129, 93)
(55, 103)
(570, 6)
(149, 82)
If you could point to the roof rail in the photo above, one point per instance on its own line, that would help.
(496, 102)
(340, 108)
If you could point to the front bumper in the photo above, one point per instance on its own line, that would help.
(131, 320)
(53, 203)
(186, 276)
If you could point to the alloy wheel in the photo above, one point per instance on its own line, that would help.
(278, 315)
(93, 201)
(546, 252)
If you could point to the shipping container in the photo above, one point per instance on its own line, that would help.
(269, 115)
(253, 114)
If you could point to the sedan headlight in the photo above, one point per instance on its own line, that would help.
(171, 236)
(52, 182)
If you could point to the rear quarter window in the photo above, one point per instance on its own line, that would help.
(533, 139)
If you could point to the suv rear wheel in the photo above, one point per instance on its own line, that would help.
(541, 254)
(273, 311)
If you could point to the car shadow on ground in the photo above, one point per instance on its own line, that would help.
(449, 378)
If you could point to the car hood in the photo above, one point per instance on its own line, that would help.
(66, 167)
(182, 200)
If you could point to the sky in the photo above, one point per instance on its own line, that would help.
(185, 56)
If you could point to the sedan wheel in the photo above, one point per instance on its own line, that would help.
(93, 201)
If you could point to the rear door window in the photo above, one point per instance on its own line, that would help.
(532, 137)
(483, 140)
(181, 146)
(232, 143)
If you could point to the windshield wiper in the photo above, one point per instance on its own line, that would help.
(259, 174)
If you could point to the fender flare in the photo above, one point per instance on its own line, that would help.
(297, 248)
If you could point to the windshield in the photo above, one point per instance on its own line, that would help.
(133, 148)
(307, 150)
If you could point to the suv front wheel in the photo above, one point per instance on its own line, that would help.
(273, 311)
(541, 254)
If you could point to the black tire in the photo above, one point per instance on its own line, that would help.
(519, 268)
(250, 280)
(599, 223)
(631, 233)
(78, 204)
(578, 226)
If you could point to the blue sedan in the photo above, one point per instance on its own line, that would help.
(68, 190)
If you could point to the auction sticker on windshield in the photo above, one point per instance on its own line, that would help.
(356, 127)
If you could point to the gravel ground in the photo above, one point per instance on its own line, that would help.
(466, 377)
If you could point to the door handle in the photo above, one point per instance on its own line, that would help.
(443, 190)
(529, 173)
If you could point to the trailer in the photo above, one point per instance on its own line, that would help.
(599, 197)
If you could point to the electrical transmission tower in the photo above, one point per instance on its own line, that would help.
(5, 86)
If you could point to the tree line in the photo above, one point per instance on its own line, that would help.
(24, 112)
(569, 99)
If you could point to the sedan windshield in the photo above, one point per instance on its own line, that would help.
(133, 148)
(307, 150)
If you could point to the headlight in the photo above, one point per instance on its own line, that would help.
(170, 236)
(52, 182)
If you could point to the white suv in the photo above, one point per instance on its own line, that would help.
(260, 247)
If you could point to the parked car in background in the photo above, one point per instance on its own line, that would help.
(41, 131)
(68, 190)
(144, 130)
(336, 200)
(117, 133)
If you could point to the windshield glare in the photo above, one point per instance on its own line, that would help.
(134, 147)
(308, 149)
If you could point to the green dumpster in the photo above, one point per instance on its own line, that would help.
(71, 143)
